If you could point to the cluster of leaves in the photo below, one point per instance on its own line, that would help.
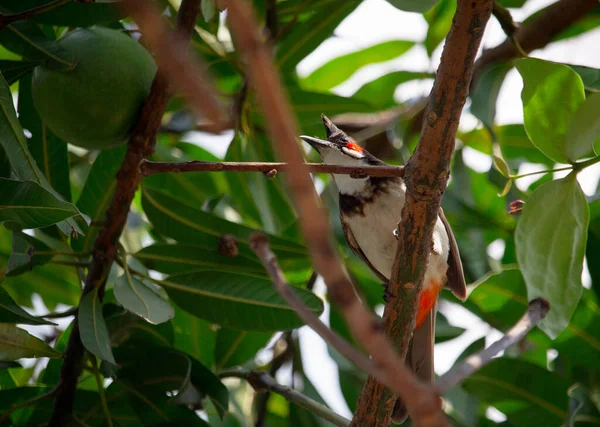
(179, 312)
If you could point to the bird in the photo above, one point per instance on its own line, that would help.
(370, 210)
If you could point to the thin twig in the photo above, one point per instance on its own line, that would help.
(261, 381)
(67, 313)
(259, 243)
(184, 72)
(7, 19)
(426, 177)
(140, 146)
(283, 131)
(149, 168)
(538, 309)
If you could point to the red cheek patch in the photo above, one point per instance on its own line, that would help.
(354, 147)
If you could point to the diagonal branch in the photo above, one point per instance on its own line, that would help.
(261, 381)
(426, 177)
(260, 245)
(538, 32)
(8, 19)
(141, 145)
(538, 308)
(422, 403)
(150, 168)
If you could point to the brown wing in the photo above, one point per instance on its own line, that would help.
(358, 251)
(456, 278)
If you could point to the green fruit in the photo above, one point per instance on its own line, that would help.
(96, 104)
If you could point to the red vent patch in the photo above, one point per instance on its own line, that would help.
(354, 147)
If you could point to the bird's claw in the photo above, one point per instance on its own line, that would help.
(395, 233)
(387, 296)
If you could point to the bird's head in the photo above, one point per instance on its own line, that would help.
(338, 148)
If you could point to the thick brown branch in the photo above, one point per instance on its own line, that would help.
(261, 381)
(260, 245)
(538, 308)
(141, 144)
(426, 177)
(422, 403)
(538, 32)
(150, 168)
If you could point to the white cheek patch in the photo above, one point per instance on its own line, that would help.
(353, 153)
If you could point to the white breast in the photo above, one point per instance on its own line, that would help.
(373, 232)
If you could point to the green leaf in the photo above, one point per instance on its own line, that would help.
(180, 258)
(444, 331)
(31, 206)
(439, 19)
(580, 342)
(14, 70)
(73, 14)
(237, 301)
(235, 348)
(28, 40)
(550, 240)
(195, 337)
(24, 254)
(582, 409)
(97, 193)
(380, 92)
(589, 76)
(527, 394)
(485, 93)
(16, 343)
(584, 129)
(92, 328)
(22, 162)
(185, 224)
(419, 6)
(340, 69)
(305, 37)
(124, 326)
(48, 150)
(10, 312)
(142, 298)
(552, 94)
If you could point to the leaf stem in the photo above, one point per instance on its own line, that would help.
(70, 263)
(67, 313)
(64, 253)
(582, 165)
(260, 380)
(566, 168)
(101, 391)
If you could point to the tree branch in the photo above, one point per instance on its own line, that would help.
(184, 72)
(260, 245)
(8, 19)
(426, 177)
(538, 308)
(538, 32)
(261, 382)
(150, 168)
(422, 402)
(141, 145)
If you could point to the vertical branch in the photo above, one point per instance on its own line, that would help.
(422, 404)
(426, 177)
(141, 145)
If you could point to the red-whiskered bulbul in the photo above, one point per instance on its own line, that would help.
(370, 209)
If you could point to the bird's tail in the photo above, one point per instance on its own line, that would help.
(419, 359)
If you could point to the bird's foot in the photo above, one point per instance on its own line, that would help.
(395, 233)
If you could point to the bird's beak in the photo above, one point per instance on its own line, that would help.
(316, 143)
